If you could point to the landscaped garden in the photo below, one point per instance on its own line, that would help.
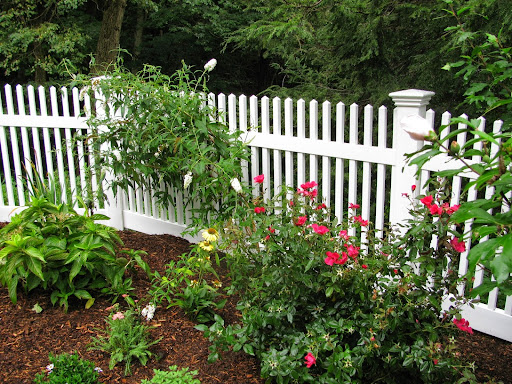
(29, 337)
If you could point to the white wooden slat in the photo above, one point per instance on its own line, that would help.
(326, 161)
(255, 156)
(301, 134)
(27, 157)
(16, 154)
(352, 165)
(58, 145)
(69, 143)
(242, 125)
(313, 135)
(340, 167)
(5, 153)
(380, 193)
(2, 202)
(276, 132)
(38, 158)
(265, 154)
(48, 151)
(288, 132)
(367, 177)
(232, 113)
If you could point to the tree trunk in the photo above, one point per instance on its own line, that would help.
(39, 72)
(110, 33)
(139, 29)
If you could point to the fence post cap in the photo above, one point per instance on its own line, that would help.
(411, 97)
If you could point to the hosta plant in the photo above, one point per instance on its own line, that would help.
(320, 306)
(51, 246)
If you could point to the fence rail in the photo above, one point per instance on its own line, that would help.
(346, 149)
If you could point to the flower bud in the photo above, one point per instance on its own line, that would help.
(454, 148)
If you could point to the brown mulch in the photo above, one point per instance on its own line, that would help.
(27, 337)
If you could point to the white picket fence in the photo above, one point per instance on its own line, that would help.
(346, 149)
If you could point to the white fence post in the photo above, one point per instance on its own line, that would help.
(113, 203)
(407, 102)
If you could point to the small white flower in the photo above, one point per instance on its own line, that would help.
(417, 127)
(236, 185)
(148, 312)
(187, 180)
(208, 67)
(98, 369)
(49, 368)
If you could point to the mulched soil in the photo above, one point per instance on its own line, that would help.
(27, 337)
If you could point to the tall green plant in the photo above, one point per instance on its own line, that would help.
(160, 132)
(485, 65)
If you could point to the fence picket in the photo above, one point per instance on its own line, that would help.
(276, 131)
(326, 161)
(339, 166)
(352, 164)
(27, 158)
(38, 158)
(380, 197)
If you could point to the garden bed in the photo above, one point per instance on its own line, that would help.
(28, 337)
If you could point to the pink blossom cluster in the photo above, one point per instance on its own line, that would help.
(307, 190)
(438, 210)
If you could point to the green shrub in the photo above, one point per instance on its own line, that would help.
(51, 246)
(68, 369)
(173, 376)
(319, 306)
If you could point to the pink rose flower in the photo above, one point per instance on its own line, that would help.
(344, 235)
(309, 360)
(320, 229)
(301, 220)
(458, 245)
(427, 200)
(259, 179)
(353, 206)
(309, 185)
(463, 325)
(259, 210)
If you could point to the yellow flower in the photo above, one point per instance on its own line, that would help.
(206, 246)
(211, 235)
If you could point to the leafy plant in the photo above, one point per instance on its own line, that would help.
(126, 339)
(173, 376)
(68, 369)
(51, 246)
(486, 157)
(318, 305)
(159, 132)
(187, 283)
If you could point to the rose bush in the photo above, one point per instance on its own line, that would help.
(320, 306)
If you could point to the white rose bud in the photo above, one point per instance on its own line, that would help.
(417, 127)
(236, 185)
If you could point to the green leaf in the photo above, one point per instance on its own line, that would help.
(248, 349)
(37, 308)
(482, 251)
